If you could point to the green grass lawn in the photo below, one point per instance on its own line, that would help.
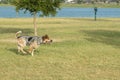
(82, 49)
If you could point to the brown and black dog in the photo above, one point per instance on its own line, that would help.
(32, 41)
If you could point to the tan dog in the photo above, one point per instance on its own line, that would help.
(32, 41)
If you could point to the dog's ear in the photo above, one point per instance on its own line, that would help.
(46, 36)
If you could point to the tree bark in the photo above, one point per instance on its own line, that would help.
(35, 26)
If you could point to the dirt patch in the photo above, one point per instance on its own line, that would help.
(8, 40)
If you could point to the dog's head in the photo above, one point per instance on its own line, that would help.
(46, 39)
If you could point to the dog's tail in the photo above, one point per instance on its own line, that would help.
(17, 33)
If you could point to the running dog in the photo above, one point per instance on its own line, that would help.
(32, 41)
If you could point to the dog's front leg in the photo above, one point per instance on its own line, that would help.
(31, 50)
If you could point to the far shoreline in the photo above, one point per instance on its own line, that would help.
(85, 5)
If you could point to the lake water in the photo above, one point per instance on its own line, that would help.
(9, 12)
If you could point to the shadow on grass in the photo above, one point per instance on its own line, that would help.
(92, 19)
(104, 36)
(15, 51)
(18, 53)
(14, 30)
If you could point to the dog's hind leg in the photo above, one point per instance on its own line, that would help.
(32, 52)
(19, 48)
(22, 50)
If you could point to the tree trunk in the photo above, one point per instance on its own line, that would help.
(35, 26)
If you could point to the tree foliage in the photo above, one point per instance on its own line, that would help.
(45, 7)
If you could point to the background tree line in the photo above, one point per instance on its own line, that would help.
(97, 1)
(76, 1)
